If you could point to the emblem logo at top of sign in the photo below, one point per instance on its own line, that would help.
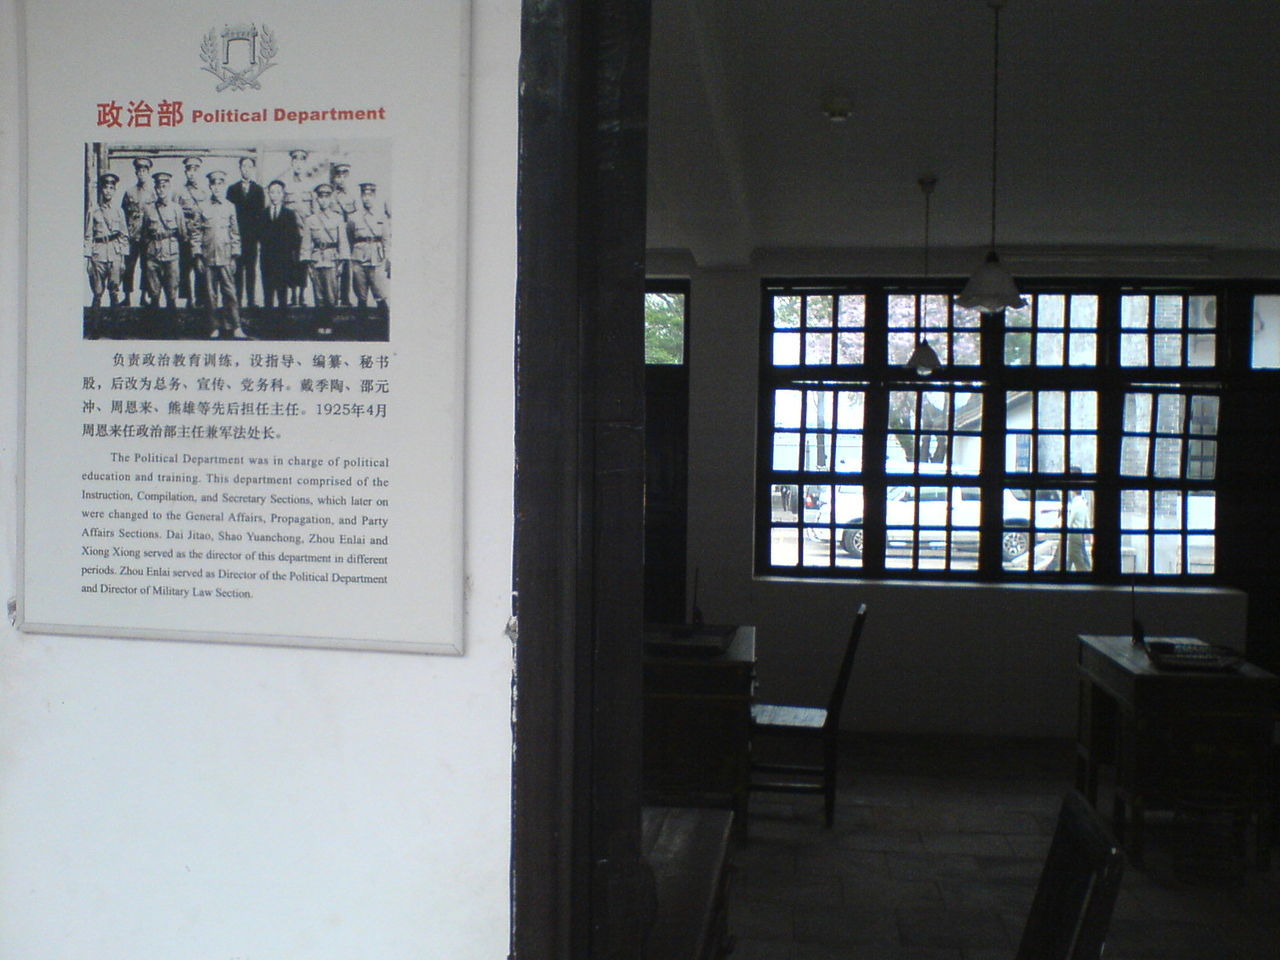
(239, 55)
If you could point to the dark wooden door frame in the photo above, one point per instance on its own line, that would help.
(579, 887)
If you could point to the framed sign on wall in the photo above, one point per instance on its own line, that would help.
(245, 322)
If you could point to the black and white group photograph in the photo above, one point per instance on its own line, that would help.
(265, 241)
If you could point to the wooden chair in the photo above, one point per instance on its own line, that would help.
(818, 725)
(1072, 908)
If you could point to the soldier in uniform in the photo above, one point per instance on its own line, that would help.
(136, 196)
(280, 236)
(189, 196)
(346, 201)
(247, 196)
(299, 196)
(216, 247)
(163, 232)
(106, 243)
(369, 232)
(324, 246)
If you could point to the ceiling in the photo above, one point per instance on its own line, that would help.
(1133, 123)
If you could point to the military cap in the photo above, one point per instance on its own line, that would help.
(298, 152)
(190, 162)
(324, 189)
(341, 168)
(141, 162)
(160, 176)
(213, 175)
(108, 178)
(368, 187)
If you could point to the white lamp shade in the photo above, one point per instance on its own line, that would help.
(991, 288)
(923, 360)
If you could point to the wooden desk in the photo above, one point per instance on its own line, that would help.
(1173, 736)
(688, 852)
(697, 726)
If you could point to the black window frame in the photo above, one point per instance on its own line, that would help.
(995, 380)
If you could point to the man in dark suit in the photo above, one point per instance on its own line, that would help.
(250, 201)
(278, 242)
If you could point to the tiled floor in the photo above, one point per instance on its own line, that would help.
(935, 855)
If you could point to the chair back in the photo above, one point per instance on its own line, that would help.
(846, 668)
(1078, 887)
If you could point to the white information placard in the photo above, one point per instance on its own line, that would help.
(245, 321)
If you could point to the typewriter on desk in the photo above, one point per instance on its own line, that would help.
(1187, 653)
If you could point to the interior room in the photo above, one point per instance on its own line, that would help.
(1126, 147)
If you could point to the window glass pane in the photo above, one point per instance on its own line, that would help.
(817, 348)
(786, 311)
(1084, 453)
(1168, 457)
(1051, 311)
(1134, 453)
(1133, 311)
(1017, 348)
(784, 546)
(1169, 411)
(787, 407)
(1133, 350)
(1265, 354)
(848, 453)
(1049, 350)
(1019, 316)
(1168, 350)
(852, 311)
(1030, 530)
(850, 348)
(1052, 449)
(1201, 350)
(1168, 312)
(1200, 553)
(786, 451)
(1167, 550)
(817, 451)
(1051, 407)
(1137, 412)
(785, 501)
(1134, 509)
(852, 409)
(664, 327)
(1084, 312)
(1082, 350)
(1168, 510)
(1133, 554)
(818, 311)
(934, 308)
(786, 349)
(1084, 410)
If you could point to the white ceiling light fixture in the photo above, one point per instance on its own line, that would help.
(924, 359)
(991, 288)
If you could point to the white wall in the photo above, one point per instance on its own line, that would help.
(166, 801)
(938, 658)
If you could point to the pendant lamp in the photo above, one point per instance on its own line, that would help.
(924, 359)
(991, 288)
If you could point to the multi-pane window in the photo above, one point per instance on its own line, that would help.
(1073, 438)
(1053, 330)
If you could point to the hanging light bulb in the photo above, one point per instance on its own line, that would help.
(991, 288)
(924, 359)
